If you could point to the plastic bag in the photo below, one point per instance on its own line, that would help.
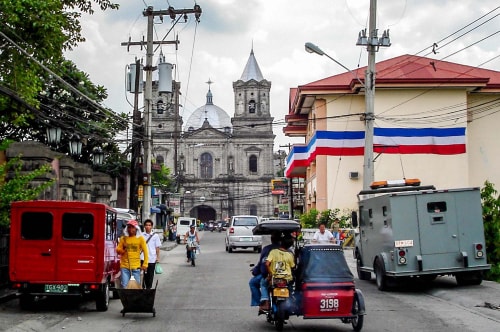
(158, 269)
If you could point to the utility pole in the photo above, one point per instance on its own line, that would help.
(368, 173)
(136, 122)
(372, 44)
(148, 91)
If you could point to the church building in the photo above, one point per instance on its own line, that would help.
(223, 165)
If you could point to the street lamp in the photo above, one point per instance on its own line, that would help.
(75, 145)
(97, 156)
(53, 135)
(311, 48)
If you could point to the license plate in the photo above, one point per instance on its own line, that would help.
(245, 239)
(281, 292)
(56, 288)
(329, 304)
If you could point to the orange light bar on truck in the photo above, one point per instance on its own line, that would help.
(395, 183)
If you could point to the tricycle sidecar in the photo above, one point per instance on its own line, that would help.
(324, 285)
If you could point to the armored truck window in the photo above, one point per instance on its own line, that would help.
(78, 226)
(436, 207)
(36, 226)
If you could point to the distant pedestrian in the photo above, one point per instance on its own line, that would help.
(323, 235)
(153, 243)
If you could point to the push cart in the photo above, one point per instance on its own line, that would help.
(138, 300)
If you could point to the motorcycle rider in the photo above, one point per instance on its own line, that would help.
(190, 236)
(259, 272)
(279, 264)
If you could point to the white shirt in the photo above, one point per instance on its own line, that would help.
(152, 245)
(326, 237)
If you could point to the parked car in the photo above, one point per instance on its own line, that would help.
(239, 234)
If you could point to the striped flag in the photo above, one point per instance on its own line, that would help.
(442, 141)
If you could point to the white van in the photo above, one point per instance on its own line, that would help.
(183, 224)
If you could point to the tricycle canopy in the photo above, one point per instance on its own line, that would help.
(271, 226)
(323, 263)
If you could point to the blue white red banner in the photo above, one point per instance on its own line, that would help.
(441, 141)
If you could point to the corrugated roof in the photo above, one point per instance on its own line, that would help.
(252, 70)
(415, 69)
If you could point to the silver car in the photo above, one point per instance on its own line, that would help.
(239, 234)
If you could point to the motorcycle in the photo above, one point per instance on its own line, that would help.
(323, 286)
(280, 303)
(194, 249)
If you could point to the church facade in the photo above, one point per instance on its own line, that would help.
(223, 165)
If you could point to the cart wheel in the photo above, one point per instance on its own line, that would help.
(154, 312)
(357, 322)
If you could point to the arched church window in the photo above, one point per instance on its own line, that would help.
(252, 210)
(251, 106)
(206, 166)
(252, 164)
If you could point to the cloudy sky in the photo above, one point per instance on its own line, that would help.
(218, 47)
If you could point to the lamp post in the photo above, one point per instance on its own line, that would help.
(372, 43)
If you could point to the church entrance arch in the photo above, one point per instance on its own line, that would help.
(203, 213)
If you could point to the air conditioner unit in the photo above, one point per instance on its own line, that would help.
(353, 175)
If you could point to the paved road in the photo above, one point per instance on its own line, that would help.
(214, 296)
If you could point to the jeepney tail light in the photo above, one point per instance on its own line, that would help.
(478, 250)
(231, 230)
(402, 256)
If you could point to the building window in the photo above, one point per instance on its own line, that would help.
(160, 160)
(252, 164)
(251, 106)
(206, 166)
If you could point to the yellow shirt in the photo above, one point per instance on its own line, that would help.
(281, 263)
(131, 256)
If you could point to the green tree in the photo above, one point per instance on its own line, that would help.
(44, 30)
(491, 220)
(19, 187)
(34, 34)
(161, 179)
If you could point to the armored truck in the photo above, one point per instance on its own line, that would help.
(408, 232)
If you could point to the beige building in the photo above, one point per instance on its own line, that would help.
(224, 164)
(434, 120)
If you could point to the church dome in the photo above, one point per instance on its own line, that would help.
(215, 116)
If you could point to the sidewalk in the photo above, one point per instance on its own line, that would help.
(168, 245)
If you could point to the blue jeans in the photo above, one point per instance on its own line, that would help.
(125, 276)
(254, 284)
(264, 292)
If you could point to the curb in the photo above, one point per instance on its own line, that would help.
(7, 295)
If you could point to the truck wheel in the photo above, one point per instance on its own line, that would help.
(26, 301)
(380, 276)
(362, 275)
(102, 298)
(469, 278)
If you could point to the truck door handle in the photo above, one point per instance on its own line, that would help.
(48, 253)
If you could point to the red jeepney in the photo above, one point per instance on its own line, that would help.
(63, 248)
